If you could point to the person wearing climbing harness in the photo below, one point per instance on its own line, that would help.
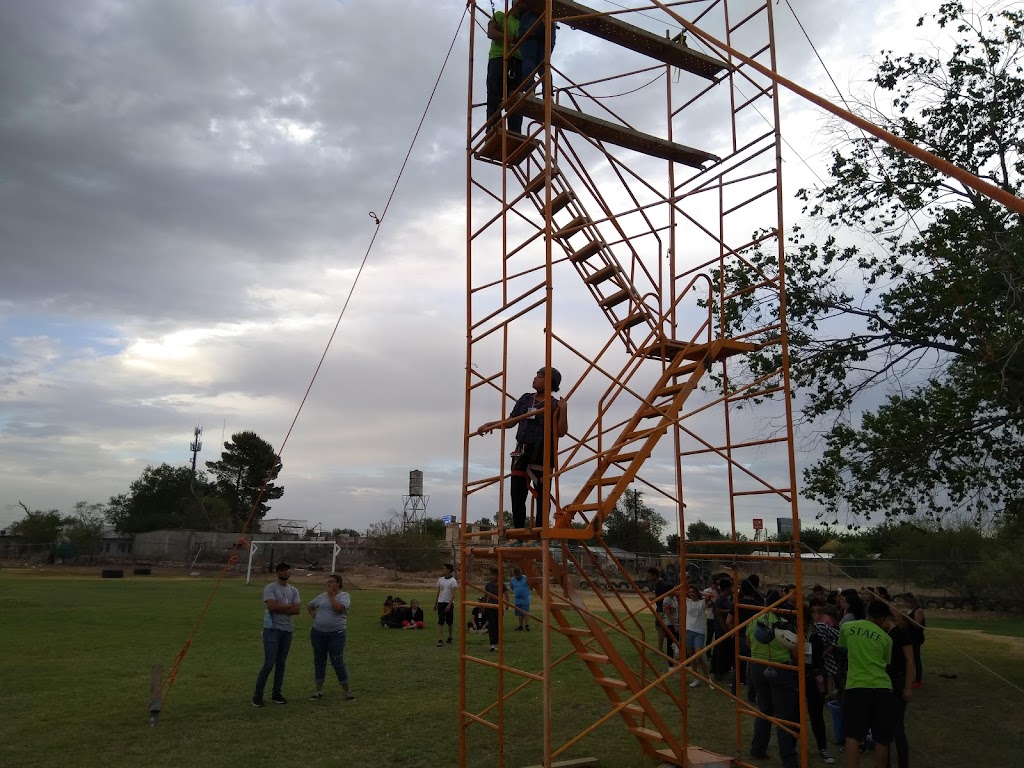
(534, 34)
(528, 457)
(501, 30)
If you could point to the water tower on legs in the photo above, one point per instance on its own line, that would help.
(414, 506)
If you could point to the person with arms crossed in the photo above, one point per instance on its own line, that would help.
(327, 635)
(282, 602)
(444, 604)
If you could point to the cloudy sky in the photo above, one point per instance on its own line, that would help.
(186, 191)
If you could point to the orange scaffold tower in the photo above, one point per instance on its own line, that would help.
(596, 243)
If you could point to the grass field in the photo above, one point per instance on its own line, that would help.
(79, 652)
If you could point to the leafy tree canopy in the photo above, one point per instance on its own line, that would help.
(920, 302)
(701, 531)
(37, 527)
(244, 476)
(634, 526)
(166, 497)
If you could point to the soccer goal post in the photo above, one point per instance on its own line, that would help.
(253, 546)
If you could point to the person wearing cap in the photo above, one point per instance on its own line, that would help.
(282, 602)
(528, 458)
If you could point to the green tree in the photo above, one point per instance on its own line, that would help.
(411, 549)
(167, 497)
(37, 527)
(921, 300)
(701, 531)
(83, 529)
(634, 526)
(816, 537)
(244, 476)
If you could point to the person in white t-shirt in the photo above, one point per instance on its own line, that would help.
(696, 628)
(445, 603)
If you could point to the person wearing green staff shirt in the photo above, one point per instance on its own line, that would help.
(869, 704)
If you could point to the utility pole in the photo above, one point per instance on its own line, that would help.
(636, 521)
(196, 446)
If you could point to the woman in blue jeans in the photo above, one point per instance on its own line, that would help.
(330, 614)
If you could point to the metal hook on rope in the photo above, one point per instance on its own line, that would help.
(376, 219)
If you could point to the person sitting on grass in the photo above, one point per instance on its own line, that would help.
(415, 620)
(479, 622)
(869, 704)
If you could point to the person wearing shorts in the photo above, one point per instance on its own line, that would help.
(445, 603)
(696, 626)
(869, 704)
(520, 587)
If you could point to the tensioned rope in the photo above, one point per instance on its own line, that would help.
(168, 682)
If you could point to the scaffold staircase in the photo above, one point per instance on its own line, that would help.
(628, 689)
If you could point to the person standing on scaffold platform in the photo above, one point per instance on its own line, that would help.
(528, 457)
(504, 76)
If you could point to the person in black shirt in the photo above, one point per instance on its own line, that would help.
(493, 592)
(528, 459)
(722, 656)
(659, 587)
(901, 673)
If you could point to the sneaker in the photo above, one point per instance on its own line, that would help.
(695, 684)
(826, 757)
(277, 698)
(494, 648)
(257, 701)
(349, 696)
(449, 641)
(317, 695)
(440, 643)
(527, 627)
(518, 629)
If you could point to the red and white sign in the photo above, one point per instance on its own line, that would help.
(758, 523)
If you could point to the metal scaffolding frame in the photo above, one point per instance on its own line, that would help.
(603, 208)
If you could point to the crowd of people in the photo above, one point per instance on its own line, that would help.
(861, 649)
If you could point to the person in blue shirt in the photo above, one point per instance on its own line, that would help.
(521, 597)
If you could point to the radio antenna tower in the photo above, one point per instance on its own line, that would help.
(195, 446)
